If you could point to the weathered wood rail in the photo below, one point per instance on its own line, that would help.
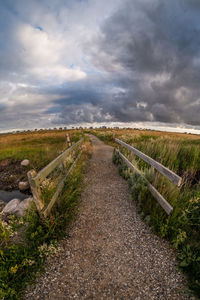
(159, 167)
(35, 179)
(177, 180)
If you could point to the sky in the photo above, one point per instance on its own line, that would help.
(111, 62)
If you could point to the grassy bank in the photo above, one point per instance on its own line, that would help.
(25, 242)
(180, 153)
(39, 147)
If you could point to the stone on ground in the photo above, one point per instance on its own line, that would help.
(11, 207)
(25, 162)
(17, 207)
(23, 206)
(23, 185)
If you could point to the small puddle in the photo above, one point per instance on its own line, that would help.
(7, 196)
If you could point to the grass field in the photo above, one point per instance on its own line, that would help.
(39, 147)
(26, 241)
(180, 153)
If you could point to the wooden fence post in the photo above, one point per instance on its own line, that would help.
(35, 179)
(36, 191)
(68, 140)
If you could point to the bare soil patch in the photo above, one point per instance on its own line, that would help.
(11, 173)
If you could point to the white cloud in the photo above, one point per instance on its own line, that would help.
(141, 104)
(38, 47)
(57, 74)
(42, 55)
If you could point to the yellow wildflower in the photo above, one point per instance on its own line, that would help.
(14, 269)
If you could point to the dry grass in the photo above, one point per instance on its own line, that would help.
(39, 147)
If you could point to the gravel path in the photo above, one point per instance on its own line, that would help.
(111, 253)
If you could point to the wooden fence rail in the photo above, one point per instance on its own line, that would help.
(165, 205)
(35, 179)
(177, 180)
(159, 167)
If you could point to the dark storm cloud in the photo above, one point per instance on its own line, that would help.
(85, 103)
(152, 50)
(64, 63)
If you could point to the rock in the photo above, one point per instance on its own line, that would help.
(11, 207)
(23, 206)
(23, 185)
(17, 207)
(25, 162)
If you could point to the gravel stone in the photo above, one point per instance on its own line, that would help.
(110, 253)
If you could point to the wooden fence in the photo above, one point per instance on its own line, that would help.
(177, 180)
(36, 179)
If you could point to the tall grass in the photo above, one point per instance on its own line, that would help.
(22, 260)
(180, 153)
(39, 147)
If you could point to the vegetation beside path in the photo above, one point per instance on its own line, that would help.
(22, 259)
(111, 253)
(180, 153)
(21, 262)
